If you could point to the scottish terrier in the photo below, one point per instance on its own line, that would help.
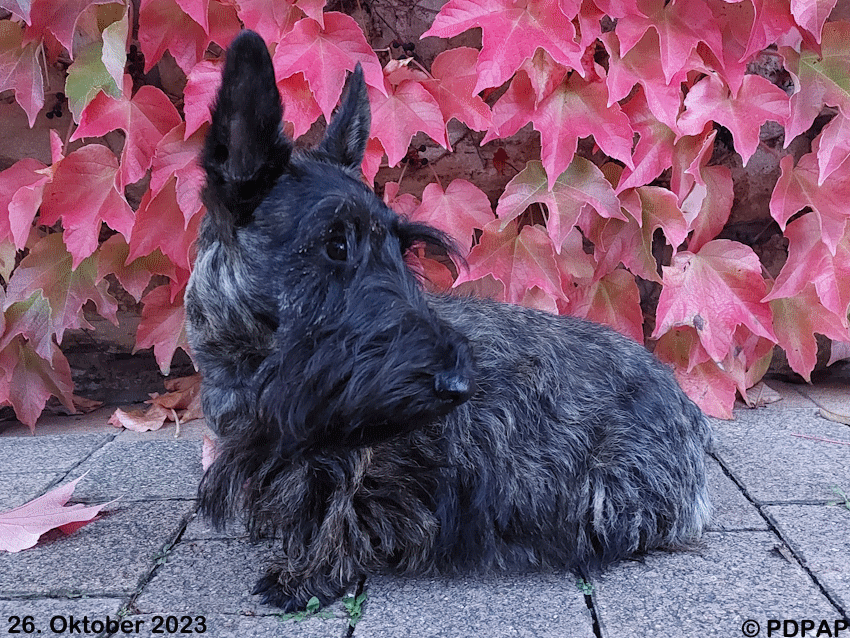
(369, 426)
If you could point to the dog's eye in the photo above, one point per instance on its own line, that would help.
(336, 248)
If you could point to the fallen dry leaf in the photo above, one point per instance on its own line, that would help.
(761, 395)
(20, 528)
(181, 403)
(84, 405)
(138, 420)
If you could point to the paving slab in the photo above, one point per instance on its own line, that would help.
(791, 393)
(17, 489)
(56, 616)
(208, 577)
(141, 470)
(23, 454)
(774, 466)
(200, 529)
(107, 557)
(95, 422)
(218, 625)
(820, 535)
(710, 591)
(732, 510)
(832, 394)
(522, 605)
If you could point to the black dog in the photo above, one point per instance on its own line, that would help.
(369, 426)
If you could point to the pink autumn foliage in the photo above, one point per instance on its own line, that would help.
(651, 82)
(21, 527)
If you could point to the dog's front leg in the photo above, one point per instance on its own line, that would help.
(323, 557)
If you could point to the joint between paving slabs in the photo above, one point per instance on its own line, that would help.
(800, 561)
(591, 606)
(64, 477)
(361, 587)
(159, 559)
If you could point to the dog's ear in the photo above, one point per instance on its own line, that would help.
(347, 134)
(245, 151)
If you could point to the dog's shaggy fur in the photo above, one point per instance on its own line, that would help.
(369, 426)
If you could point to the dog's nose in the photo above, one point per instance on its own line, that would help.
(453, 387)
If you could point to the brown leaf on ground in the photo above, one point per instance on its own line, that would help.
(21, 527)
(181, 403)
(84, 405)
(138, 420)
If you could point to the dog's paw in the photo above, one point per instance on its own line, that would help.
(269, 590)
(272, 592)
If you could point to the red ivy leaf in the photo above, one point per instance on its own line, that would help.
(324, 54)
(578, 108)
(59, 18)
(407, 109)
(301, 107)
(145, 119)
(511, 33)
(797, 188)
(21, 190)
(641, 65)
(582, 183)
(514, 109)
(796, 320)
(179, 157)
(714, 291)
(404, 204)
(628, 242)
(708, 205)
(680, 25)
(20, 70)
(654, 150)
(197, 10)
(453, 88)
(135, 275)
(519, 260)
(163, 25)
(31, 319)
(83, 194)
(811, 262)
(19, 8)
(161, 224)
(162, 326)
(613, 300)
(270, 18)
(458, 211)
(821, 78)
(711, 388)
(832, 147)
(772, 21)
(743, 114)
(202, 84)
(33, 380)
(812, 15)
(48, 268)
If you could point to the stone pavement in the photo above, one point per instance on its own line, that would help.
(776, 561)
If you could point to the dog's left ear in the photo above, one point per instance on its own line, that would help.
(245, 151)
(347, 134)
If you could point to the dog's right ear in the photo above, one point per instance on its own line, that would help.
(245, 151)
